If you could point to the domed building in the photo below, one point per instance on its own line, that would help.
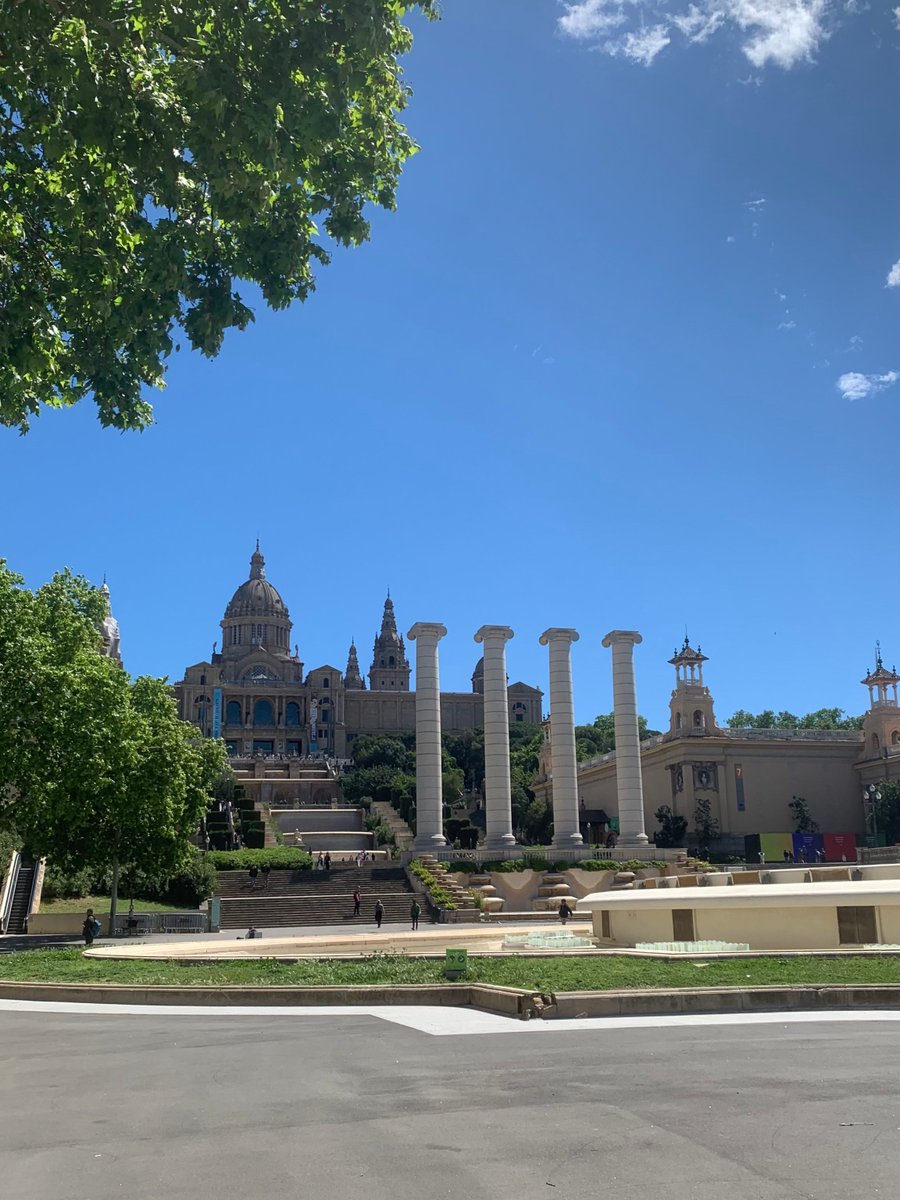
(256, 694)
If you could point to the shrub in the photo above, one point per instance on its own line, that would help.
(463, 864)
(537, 862)
(438, 894)
(280, 859)
(194, 884)
(597, 864)
(507, 866)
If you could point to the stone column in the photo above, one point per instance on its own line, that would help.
(629, 784)
(566, 822)
(498, 801)
(429, 791)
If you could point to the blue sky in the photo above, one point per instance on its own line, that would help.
(625, 357)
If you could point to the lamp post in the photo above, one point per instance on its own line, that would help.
(871, 796)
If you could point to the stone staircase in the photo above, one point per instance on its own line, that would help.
(462, 896)
(483, 886)
(551, 890)
(389, 816)
(300, 898)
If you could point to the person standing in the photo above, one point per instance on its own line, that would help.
(357, 900)
(327, 860)
(88, 929)
(564, 911)
(379, 913)
(267, 871)
(253, 875)
(414, 914)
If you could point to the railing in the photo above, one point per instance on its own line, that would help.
(9, 890)
(164, 922)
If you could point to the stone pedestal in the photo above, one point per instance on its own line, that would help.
(566, 824)
(498, 791)
(629, 782)
(429, 792)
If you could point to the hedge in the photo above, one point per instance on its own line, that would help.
(285, 858)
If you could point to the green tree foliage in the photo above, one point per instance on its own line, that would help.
(801, 816)
(822, 718)
(706, 826)
(672, 828)
(96, 771)
(600, 737)
(377, 750)
(153, 154)
(888, 811)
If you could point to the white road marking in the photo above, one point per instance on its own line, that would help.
(451, 1022)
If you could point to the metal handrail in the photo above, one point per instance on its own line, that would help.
(9, 889)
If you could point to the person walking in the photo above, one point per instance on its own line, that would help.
(327, 860)
(414, 913)
(379, 913)
(89, 928)
(267, 871)
(357, 900)
(564, 911)
(253, 875)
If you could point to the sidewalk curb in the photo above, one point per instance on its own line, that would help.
(503, 1001)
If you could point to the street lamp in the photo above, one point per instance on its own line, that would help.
(871, 796)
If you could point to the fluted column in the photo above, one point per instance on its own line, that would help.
(566, 824)
(498, 799)
(429, 790)
(629, 782)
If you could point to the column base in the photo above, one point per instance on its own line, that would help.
(434, 841)
(567, 841)
(637, 839)
(501, 841)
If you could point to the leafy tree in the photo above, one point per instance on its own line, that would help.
(96, 772)
(822, 718)
(706, 826)
(600, 737)
(801, 816)
(672, 827)
(887, 813)
(377, 750)
(153, 154)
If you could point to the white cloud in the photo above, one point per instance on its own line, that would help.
(856, 386)
(893, 279)
(730, 238)
(755, 205)
(642, 46)
(787, 325)
(772, 32)
(897, 15)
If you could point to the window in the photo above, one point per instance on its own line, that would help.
(263, 746)
(895, 738)
(698, 719)
(390, 662)
(292, 714)
(520, 716)
(262, 713)
(292, 749)
(203, 679)
(326, 682)
(324, 715)
(232, 746)
(876, 745)
(233, 713)
(678, 721)
(605, 930)
(235, 633)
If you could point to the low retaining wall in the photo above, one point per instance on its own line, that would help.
(723, 1000)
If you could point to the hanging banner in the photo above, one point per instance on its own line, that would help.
(217, 713)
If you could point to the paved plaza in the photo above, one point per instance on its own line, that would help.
(241, 1104)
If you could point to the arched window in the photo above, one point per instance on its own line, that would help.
(678, 721)
(233, 713)
(292, 714)
(390, 664)
(876, 745)
(326, 682)
(262, 713)
(895, 738)
(698, 719)
(203, 679)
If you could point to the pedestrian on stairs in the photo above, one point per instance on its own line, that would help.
(253, 875)
(357, 900)
(327, 860)
(414, 913)
(379, 913)
(267, 871)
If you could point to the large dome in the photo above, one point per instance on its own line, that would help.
(256, 597)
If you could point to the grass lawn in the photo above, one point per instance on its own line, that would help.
(100, 904)
(543, 974)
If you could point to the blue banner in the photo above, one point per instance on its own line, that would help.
(217, 713)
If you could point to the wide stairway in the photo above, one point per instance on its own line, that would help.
(297, 898)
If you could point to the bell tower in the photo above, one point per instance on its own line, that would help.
(691, 706)
(881, 725)
(390, 669)
(352, 677)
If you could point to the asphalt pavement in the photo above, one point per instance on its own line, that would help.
(234, 1106)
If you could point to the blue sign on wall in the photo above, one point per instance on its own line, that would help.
(217, 713)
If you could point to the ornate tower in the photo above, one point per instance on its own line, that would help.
(390, 666)
(109, 629)
(882, 722)
(256, 616)
(352, 676)
(691, 706)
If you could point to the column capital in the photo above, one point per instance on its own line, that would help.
(616, 636)
(426, 629)
(494, 631)
(558, 635)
